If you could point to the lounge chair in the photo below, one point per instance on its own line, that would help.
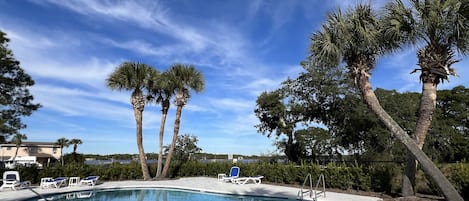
(85, 194)
(46, 182)
(90, 180)
(234, 174)
(73, 181)
(49, 182)
(11, 179)
(244, 180)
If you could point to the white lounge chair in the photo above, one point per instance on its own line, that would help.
(49, 182)
(73, 181)
(244, 180)
(90, 180)
(11, 179)
(234, 174)
(45, 182)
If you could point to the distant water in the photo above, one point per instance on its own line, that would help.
(106, 162)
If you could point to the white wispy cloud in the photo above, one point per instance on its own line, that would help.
(147, 14)
(213, 40)
(77, 102)
(91, 73)
(51, 55)
(231, 104)
(146, 48)
(239, 125)
(260, 85)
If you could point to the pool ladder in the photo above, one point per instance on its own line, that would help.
(312, 192)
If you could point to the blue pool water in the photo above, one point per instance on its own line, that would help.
(151, 194)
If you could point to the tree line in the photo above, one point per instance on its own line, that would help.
(346, 126)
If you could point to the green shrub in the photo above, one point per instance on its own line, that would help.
(383, 178)
(459, 176)
(29, 174)
(376, 177)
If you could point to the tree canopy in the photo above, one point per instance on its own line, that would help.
(345, 125)
(15, 98)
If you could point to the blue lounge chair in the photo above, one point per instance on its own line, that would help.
(234, 174)
(49, 182)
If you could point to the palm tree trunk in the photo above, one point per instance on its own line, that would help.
(16, 153)
(429, 168)
(427, 107)
(160, 154)
(141, 152)
(408, 178)
(177, 123)
(62, 155)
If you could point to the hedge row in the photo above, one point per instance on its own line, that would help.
(378, 178)
(384, 178)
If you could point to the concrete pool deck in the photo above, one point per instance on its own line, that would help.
(204, 184)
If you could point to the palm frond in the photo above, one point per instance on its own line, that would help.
(398, 26)
(352, 37)
(130, 76)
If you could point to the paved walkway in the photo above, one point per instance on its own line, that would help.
(191, 183)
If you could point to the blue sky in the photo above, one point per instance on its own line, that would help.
(242, 47)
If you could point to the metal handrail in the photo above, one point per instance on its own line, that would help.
(316, 194)
(312, 192)
(301, 192)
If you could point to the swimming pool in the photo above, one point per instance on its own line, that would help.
(151, 194)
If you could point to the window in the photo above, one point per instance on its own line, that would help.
(8, 148)
(54, 150)
(32, 149)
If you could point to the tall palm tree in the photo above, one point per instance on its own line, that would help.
(62, 142)
(161, 90)
(75, 143)
(443, 28)
(183, 78)
(356, 39)
(18, 140)
(131, 76)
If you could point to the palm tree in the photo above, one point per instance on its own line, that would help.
(356, 38)
(161, 90)
(183, 78)
(18, 140)
(442, 27)
(62, 142)
(75, 143)
(131, 76)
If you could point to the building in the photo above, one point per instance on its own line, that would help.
(44, 152)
